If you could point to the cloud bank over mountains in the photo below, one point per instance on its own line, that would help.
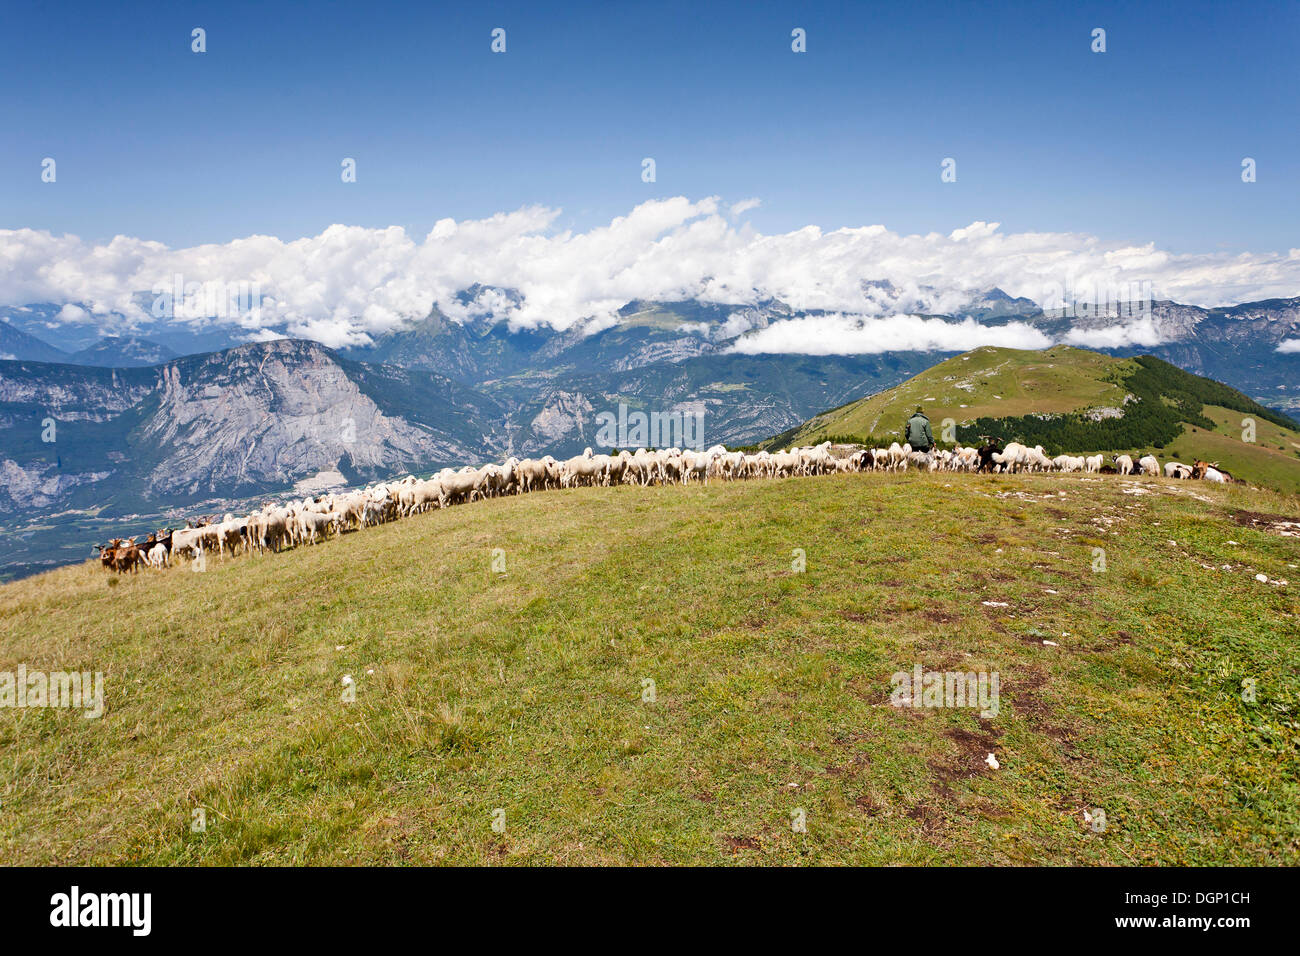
(349, 283)
(840, 334)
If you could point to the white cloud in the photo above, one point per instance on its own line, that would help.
(1289, 346)
(264, 335)
(1142, 332)
(976, 230)
(72, 314)
(839, 334)
(350, 283)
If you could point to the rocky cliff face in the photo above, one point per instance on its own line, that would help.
(269, 414)
(1257, 325)
(70, 394)
(40, 486)
(251, 418)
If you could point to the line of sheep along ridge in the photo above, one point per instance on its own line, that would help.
(311, 520)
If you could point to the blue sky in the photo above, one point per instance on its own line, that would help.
(1143, 142)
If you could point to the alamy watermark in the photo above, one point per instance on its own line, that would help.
(130, 910)
(76, 690)
(922, 688)
(201, 300)
(1093, 300)
(674, 429)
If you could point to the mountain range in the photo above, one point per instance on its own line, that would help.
(137, 425)
(1236, 344)
(110, 351)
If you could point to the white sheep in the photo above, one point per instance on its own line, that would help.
(1011, 457)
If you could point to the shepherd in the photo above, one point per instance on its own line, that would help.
(917, 431)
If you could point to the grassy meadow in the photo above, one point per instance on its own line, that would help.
(523, 698)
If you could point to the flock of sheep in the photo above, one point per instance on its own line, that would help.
(311, 520)
(1018, 457)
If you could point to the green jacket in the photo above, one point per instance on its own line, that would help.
(918, 431)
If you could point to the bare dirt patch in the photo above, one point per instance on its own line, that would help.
(938, 617)
(1287, 527)
(873, 693)
(1064, 738)
(973, 747)
(850, 769)
(1026, 694)
(738, 843)
(868, 805)
(1108, 642)
(931, 820)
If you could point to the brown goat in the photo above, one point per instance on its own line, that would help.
(106, 552)
(128, 557)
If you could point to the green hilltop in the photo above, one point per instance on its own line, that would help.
(1075, 400)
